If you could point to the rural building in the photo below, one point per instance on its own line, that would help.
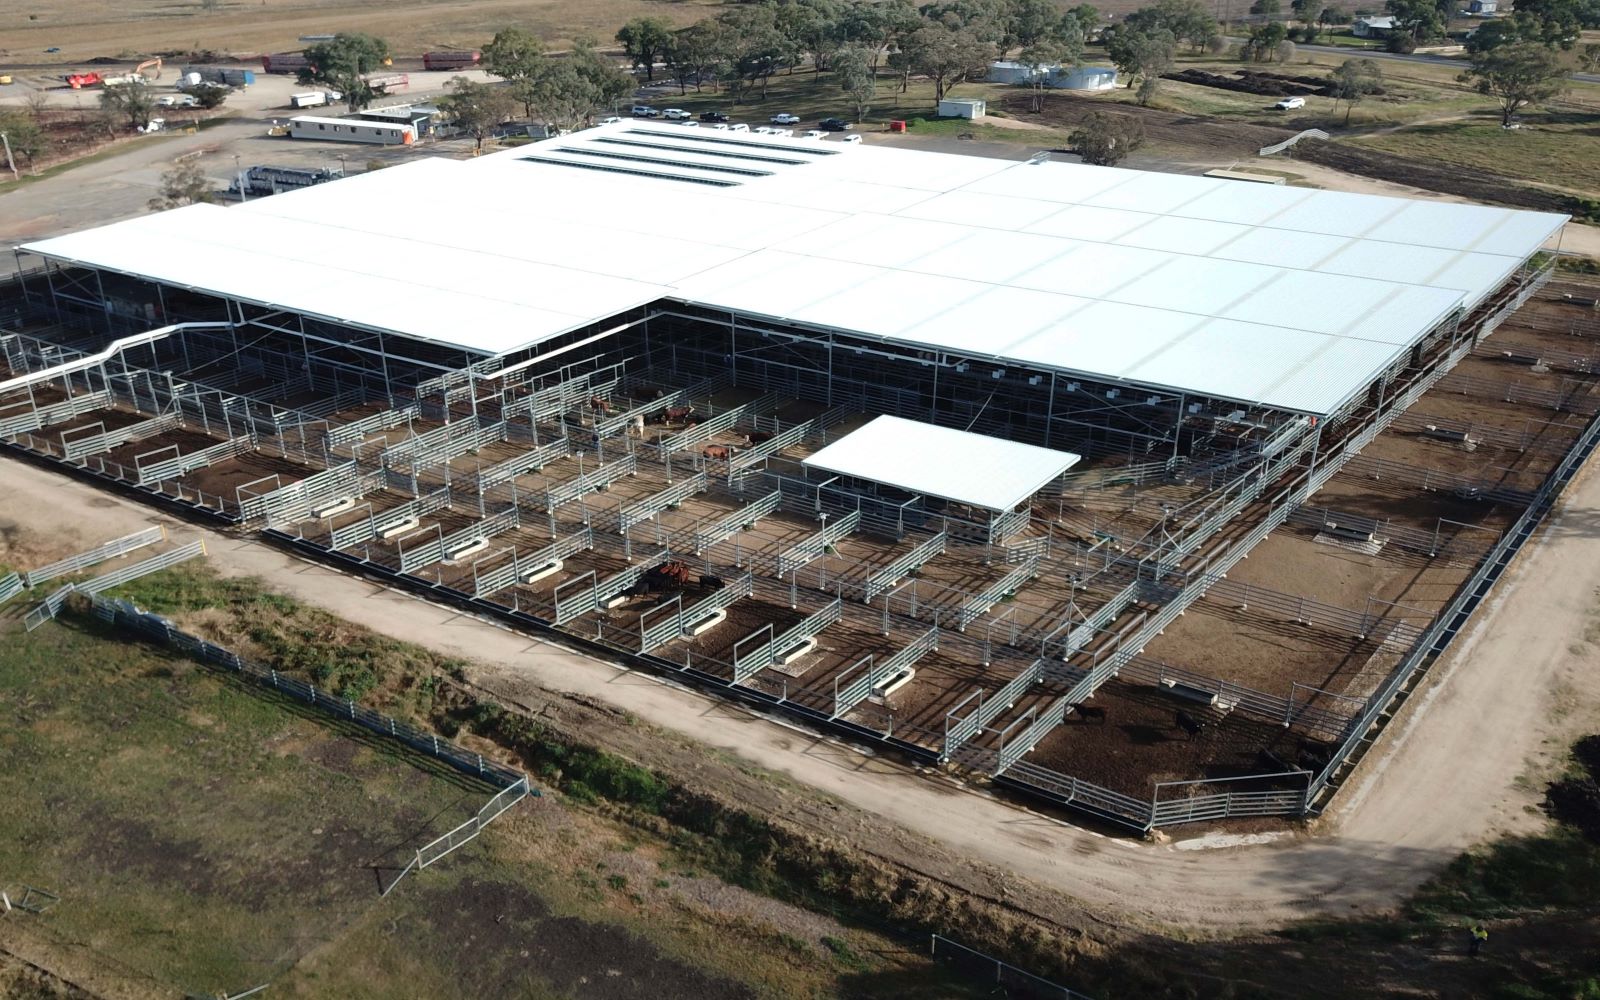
(1373, 26)
(351, 130)
(962, 109)
(921, 449)
(420, 119)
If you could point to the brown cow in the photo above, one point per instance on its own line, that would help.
(677, 413)
(717, 452)
(599, 405)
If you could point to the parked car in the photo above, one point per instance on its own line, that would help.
(176, 101)
(689, 123)
(816, 133)
(851, 138)
(720, 127)
(675, 114)
(1290, 103)
(763, 130)
(645, 111)
(786, 132)
(610, 120)
(740, 127)
(784, 118)
(713, 116)
(834, 125)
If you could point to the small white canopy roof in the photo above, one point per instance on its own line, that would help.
(942, 462)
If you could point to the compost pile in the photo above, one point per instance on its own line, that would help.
(1246, 81)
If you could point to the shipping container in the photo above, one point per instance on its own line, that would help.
(309, 99)
(451, 60)
(225, 75)
(350, 130)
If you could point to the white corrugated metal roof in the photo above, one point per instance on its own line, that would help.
(942, 462)
(1288, 297)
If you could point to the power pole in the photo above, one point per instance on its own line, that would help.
(6, 140)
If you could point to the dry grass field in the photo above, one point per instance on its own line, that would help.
(124, 28)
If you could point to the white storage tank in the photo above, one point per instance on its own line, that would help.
(1006, 71)
(1083, 78)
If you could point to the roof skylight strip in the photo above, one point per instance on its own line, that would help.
(715, 168)
(614, 169)
(694, 135)
(701, 152)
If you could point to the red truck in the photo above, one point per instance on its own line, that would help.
(284, 62)
(451, 60)
(386, 82)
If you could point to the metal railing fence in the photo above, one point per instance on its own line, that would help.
(99, 554)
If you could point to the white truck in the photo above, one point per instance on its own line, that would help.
(313, 98)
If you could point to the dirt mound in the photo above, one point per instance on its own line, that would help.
(1576, 800)
(1475, 184)
(1250, 81)
(1163, 128)
(1587, 753)
(1245, 82)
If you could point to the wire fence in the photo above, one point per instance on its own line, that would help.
(1014, 982)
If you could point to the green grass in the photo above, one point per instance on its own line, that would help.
(213, 837)
(1552, 148)
(170, 810)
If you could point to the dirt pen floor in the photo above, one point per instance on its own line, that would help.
(99, 420)
(1290, 561)
(1270, 651)
(1139, 743)
(224, 478)
(167, 444)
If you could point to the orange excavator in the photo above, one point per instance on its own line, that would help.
(150, 69)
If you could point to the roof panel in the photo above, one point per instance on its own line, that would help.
(942, 462)
(1116, 274)
(990, 322)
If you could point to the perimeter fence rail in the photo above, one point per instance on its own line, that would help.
(1013, 981)
(512, 784)
(10, 586)
(99, 554)
(52, 605)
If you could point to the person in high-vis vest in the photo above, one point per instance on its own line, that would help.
(1479, 936)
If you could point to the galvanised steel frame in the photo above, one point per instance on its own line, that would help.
(1257, 466)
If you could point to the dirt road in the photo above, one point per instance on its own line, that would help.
(1521, 683)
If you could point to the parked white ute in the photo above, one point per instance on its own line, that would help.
(816, 133)
(784, 118)
(1290, 103)
(738, 127)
